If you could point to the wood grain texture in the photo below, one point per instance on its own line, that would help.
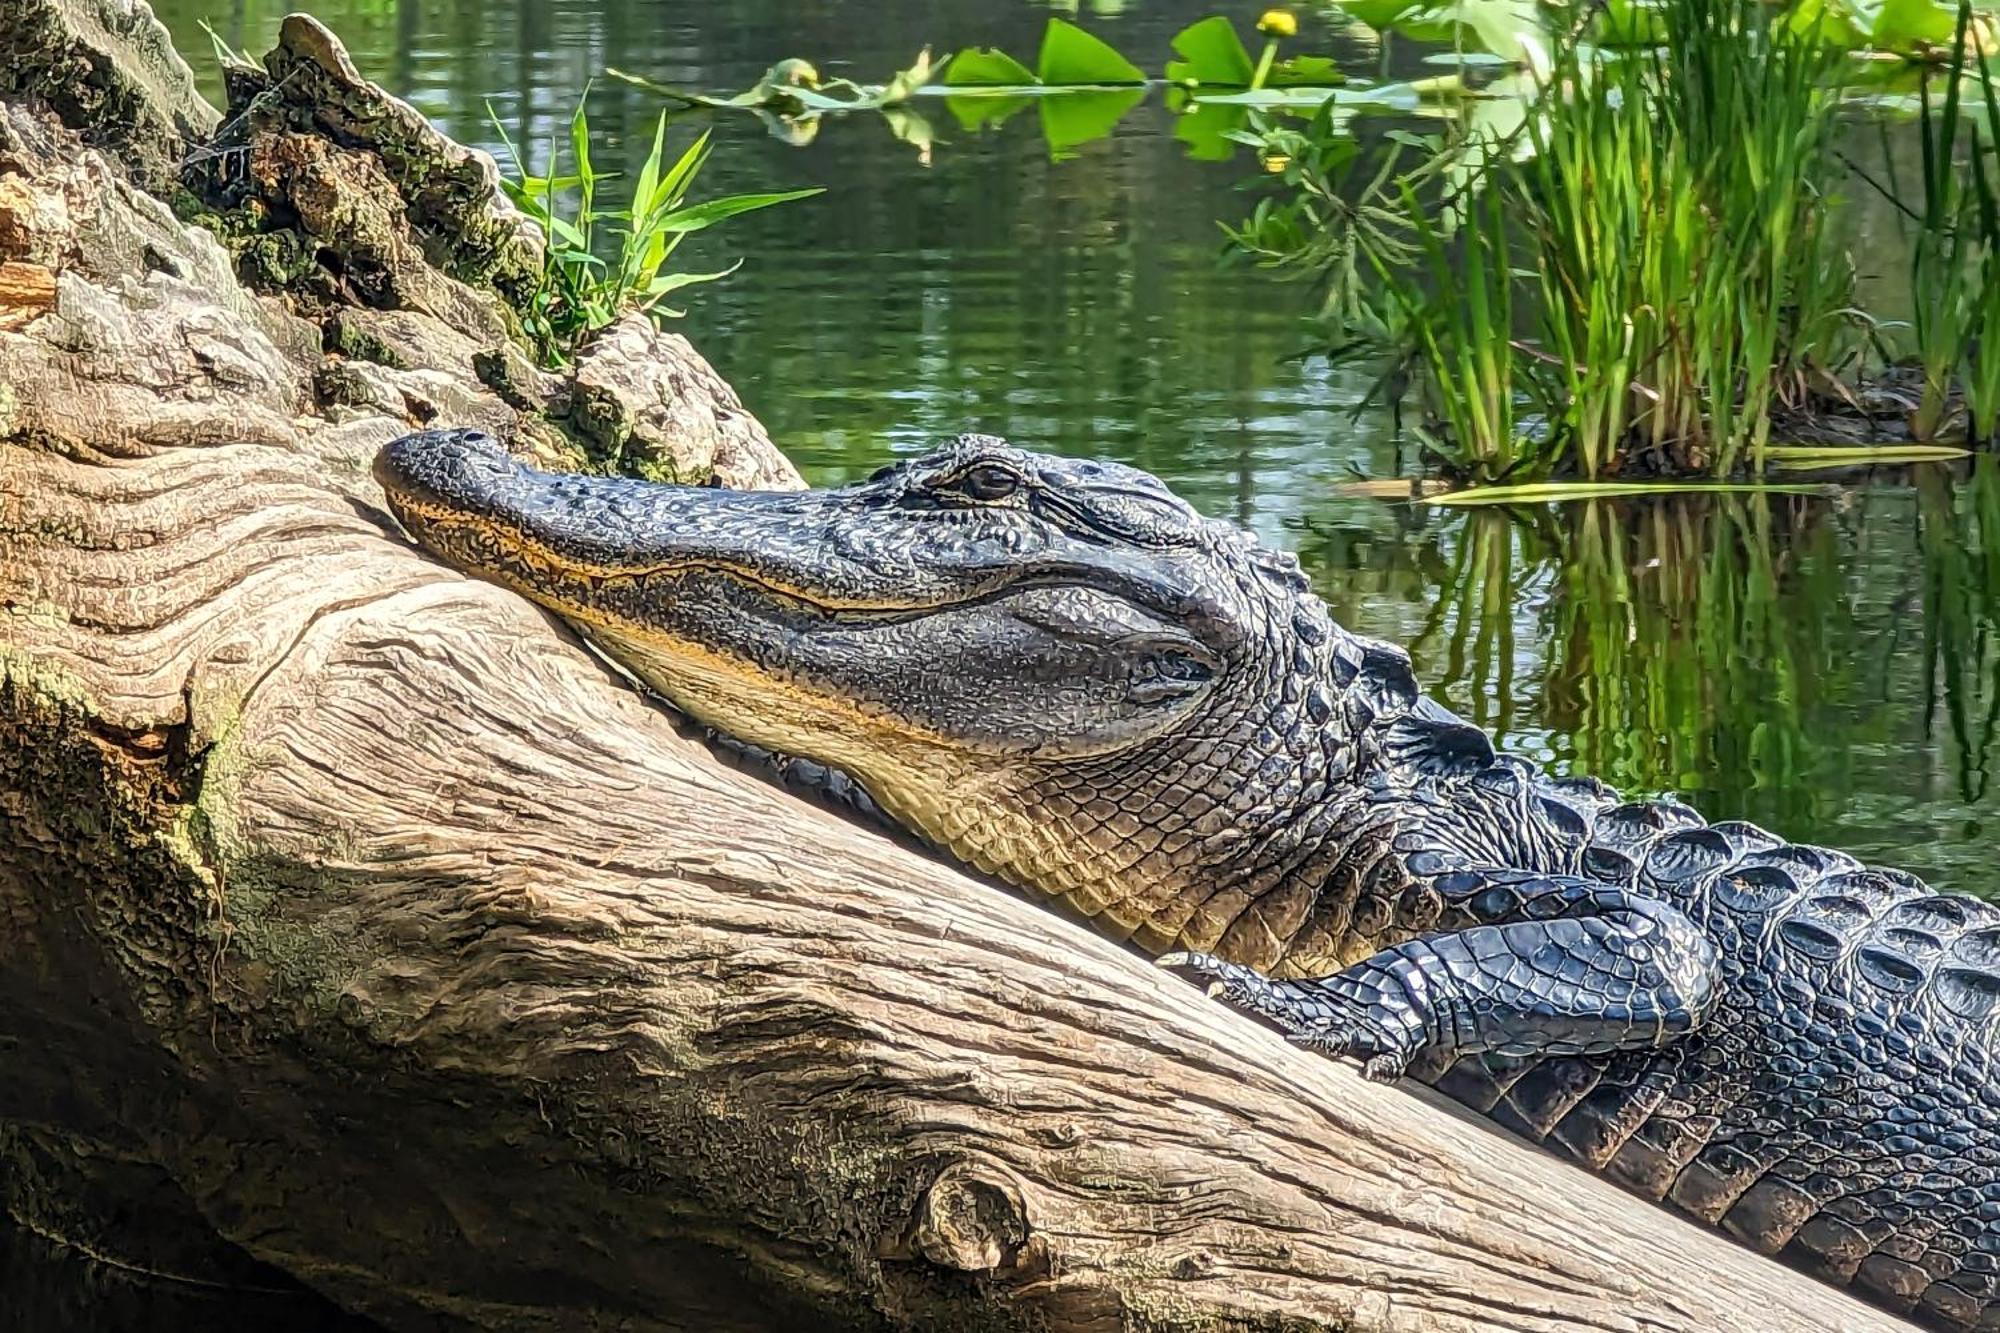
(442, 972)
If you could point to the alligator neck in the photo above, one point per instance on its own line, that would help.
(1221, 836)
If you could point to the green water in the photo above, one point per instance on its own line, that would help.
(1828, 665)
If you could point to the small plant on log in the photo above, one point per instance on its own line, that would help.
(600, 263)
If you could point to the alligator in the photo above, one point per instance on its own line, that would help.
(1056, 671)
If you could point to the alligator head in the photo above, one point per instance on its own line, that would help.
(1055, 669)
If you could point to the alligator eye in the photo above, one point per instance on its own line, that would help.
(1168, 674)
(990, 481)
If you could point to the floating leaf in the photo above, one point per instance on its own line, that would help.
(1565, 492)
(816, 100)
(1805, 457)
(983, 66)
(1073, 57)
(785, 87)
(1304, 71)
(1388, 488)
(1212, 54)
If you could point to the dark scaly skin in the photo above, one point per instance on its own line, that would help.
(1057, 672)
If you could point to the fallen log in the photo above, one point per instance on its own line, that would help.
(445, 975)
(380, 928)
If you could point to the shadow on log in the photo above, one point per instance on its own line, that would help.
(433, 967)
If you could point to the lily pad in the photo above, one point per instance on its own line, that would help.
(1072, 56)
(984, 66)
(1211, 54)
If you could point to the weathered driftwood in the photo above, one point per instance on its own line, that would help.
(443, 974)
(350, 909)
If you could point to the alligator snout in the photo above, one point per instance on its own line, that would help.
(451, 465)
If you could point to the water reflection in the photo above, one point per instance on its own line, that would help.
(1822, 664)
(1818, 663)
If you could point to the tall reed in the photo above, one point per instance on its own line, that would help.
(1944, 248)
(1463, 328)
(1650, 262)
(1979, 366)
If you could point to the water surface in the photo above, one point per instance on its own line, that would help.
(1825, 664)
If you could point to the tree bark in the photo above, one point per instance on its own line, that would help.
(373, 923)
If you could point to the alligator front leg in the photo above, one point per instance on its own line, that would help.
(1563, 966)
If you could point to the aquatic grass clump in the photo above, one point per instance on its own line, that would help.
(1668, 247)
(1955, 258)
(1943, 249)
(1681, 235)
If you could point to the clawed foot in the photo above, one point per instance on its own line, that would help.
(1311, 1013)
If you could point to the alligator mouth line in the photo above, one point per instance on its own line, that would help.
(418, 514)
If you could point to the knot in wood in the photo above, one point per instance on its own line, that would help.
(971, 1218)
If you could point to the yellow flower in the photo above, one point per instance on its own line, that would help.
(1277, 162)
(1278, 23)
